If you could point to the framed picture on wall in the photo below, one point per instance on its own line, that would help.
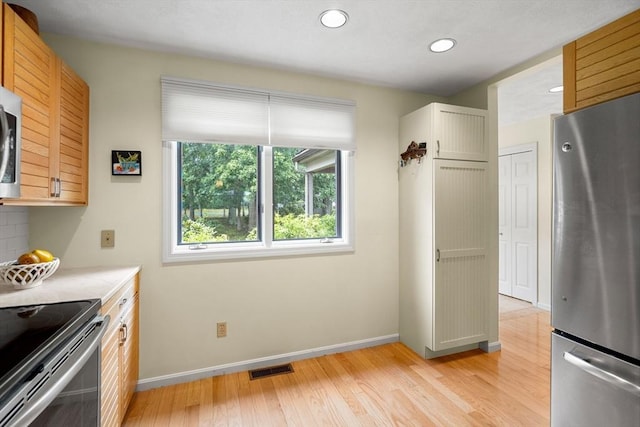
(125, 162)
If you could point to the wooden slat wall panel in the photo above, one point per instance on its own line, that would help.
(599, 61)
(604, 64)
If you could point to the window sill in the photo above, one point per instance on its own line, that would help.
(182, 254)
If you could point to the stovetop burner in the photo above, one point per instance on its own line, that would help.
(27, 333)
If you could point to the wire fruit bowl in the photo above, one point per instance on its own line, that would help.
(25, 276)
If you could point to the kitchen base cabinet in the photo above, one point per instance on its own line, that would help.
(120, 355)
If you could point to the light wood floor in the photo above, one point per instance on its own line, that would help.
(387, 385)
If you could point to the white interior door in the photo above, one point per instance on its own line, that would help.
(504, 225)
(518, 263)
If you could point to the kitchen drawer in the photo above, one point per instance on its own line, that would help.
(118, 303)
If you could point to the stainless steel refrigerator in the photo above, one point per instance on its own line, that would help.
(595, 345)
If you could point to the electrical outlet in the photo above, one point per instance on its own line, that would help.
(221, 328)
(107, 238)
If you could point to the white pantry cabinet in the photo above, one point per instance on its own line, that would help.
(450, 131)
(444, 269)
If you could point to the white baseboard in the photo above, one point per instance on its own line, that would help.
(544, 306)
(198, 374)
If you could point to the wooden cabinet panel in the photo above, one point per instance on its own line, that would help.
(55, 120)
(603, 65)
(74, 136)
(110, 390)
(120, 354)
(129, 355)
(30, 71)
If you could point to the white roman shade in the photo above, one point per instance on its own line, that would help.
(198, 111)
(311, 122)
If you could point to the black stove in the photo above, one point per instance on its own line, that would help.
(29, 333)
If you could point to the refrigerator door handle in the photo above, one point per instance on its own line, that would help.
(611, 378)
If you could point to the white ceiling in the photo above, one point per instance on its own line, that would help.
(526, 96)
(385, 42)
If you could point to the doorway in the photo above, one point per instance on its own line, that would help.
(518, 222)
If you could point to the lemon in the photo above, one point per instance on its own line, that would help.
(44, 256)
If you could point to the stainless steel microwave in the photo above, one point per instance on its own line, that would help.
(10, 137)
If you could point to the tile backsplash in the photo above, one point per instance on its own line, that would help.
(14, 232)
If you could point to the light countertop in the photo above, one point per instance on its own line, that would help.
(69, 285)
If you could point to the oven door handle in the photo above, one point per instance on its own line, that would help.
(5, 146)
(40, 404)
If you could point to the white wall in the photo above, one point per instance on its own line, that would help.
(485, 95)
(538, 130)
(272, 306)
(14, 232)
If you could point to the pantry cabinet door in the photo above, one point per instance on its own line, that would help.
(461, 285)
(460, 133)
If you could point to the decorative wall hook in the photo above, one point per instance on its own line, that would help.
(414, 151)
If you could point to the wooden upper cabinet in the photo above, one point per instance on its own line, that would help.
(55, 118)
(74, 137)
(29, 71)
(603, 65)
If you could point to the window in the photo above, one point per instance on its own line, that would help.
(252, 174)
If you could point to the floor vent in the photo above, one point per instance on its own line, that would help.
(270, 371)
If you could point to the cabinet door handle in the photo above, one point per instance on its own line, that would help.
(124, 333)
(437, 255)
(438, 147)
(56, 186)
(122, 302)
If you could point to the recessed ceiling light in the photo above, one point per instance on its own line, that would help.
(442, 45)
(556, 89)
(333, 18)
